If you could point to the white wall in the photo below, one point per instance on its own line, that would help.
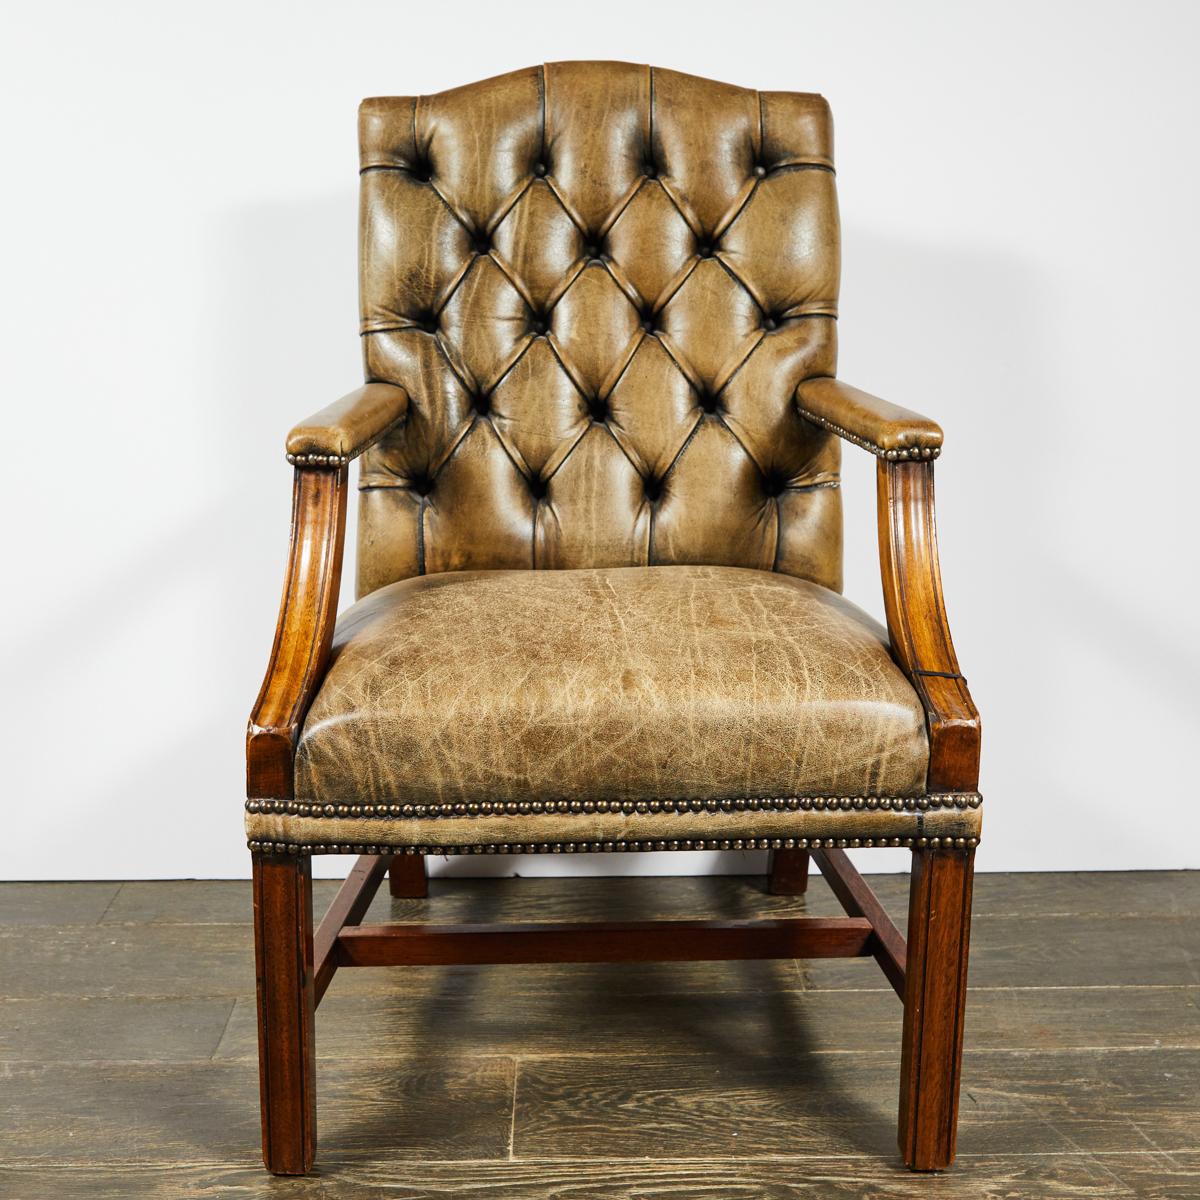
(1020, 197)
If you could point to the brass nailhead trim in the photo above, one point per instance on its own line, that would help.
(485, 808)
(619, 847)
(319, 460)
(913, 452)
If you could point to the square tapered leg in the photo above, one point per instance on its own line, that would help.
(935, 993)
(787, 873)
(407, 878)
(283, 944)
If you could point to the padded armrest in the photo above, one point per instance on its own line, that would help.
(887, 430)
(341, 432)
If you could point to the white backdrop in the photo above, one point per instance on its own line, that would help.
(1019, 187)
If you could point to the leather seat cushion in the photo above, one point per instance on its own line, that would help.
(600, 685)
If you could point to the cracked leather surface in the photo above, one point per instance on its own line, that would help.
(600, 285)
(641, 682)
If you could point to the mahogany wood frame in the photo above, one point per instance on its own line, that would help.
(295, 966)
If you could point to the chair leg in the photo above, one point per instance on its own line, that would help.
(283, 948)
(788, 872)
(406, 877)
(935, 993)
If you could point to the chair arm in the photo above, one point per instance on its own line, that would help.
(303, 633)
(320, 448)
(886, 430)
(341, 432)
(917, 624)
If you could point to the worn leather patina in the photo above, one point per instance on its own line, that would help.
(883, 428)
(636, 682)
(600, 285)
(344, 429)
(600, 532)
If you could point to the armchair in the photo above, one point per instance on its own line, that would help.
(600, 564)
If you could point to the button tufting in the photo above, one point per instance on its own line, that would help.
(532, 362)
(774, 482)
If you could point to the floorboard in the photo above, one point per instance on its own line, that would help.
(192, 902)
(789, 1020)
(127, 1051)
(44, 904)
(1019, 1177)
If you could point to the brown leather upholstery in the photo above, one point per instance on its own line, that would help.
(886, 429)
(600, 285)
(467, 707)
(344, 429)
(598, 314)
(628, 682)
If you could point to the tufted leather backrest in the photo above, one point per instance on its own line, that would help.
(600, 284)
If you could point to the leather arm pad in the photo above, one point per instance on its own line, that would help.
(341, 432)
(887, 430)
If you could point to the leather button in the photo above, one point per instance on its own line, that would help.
(594, 250)
(650, 170)
(481, 402)
(539, 169)
(421, 169)
(539, 326)
(774, 482)
(481, 243)
(598, 408)
(706, 248)
(652, 486)
(770, 322)
(708, 400)
(421, 483)
(759, 170)
(537, 488)
(427, 322)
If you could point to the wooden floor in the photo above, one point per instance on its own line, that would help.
(127, 1051)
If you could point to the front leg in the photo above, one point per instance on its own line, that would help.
(935, 995)
(283, 951)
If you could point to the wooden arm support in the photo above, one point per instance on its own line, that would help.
(916, 618)
(906, 444)
(304, 631)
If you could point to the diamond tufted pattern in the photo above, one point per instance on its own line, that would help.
(600, 285)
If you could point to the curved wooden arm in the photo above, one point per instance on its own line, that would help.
(916, 618)
(303, 633)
